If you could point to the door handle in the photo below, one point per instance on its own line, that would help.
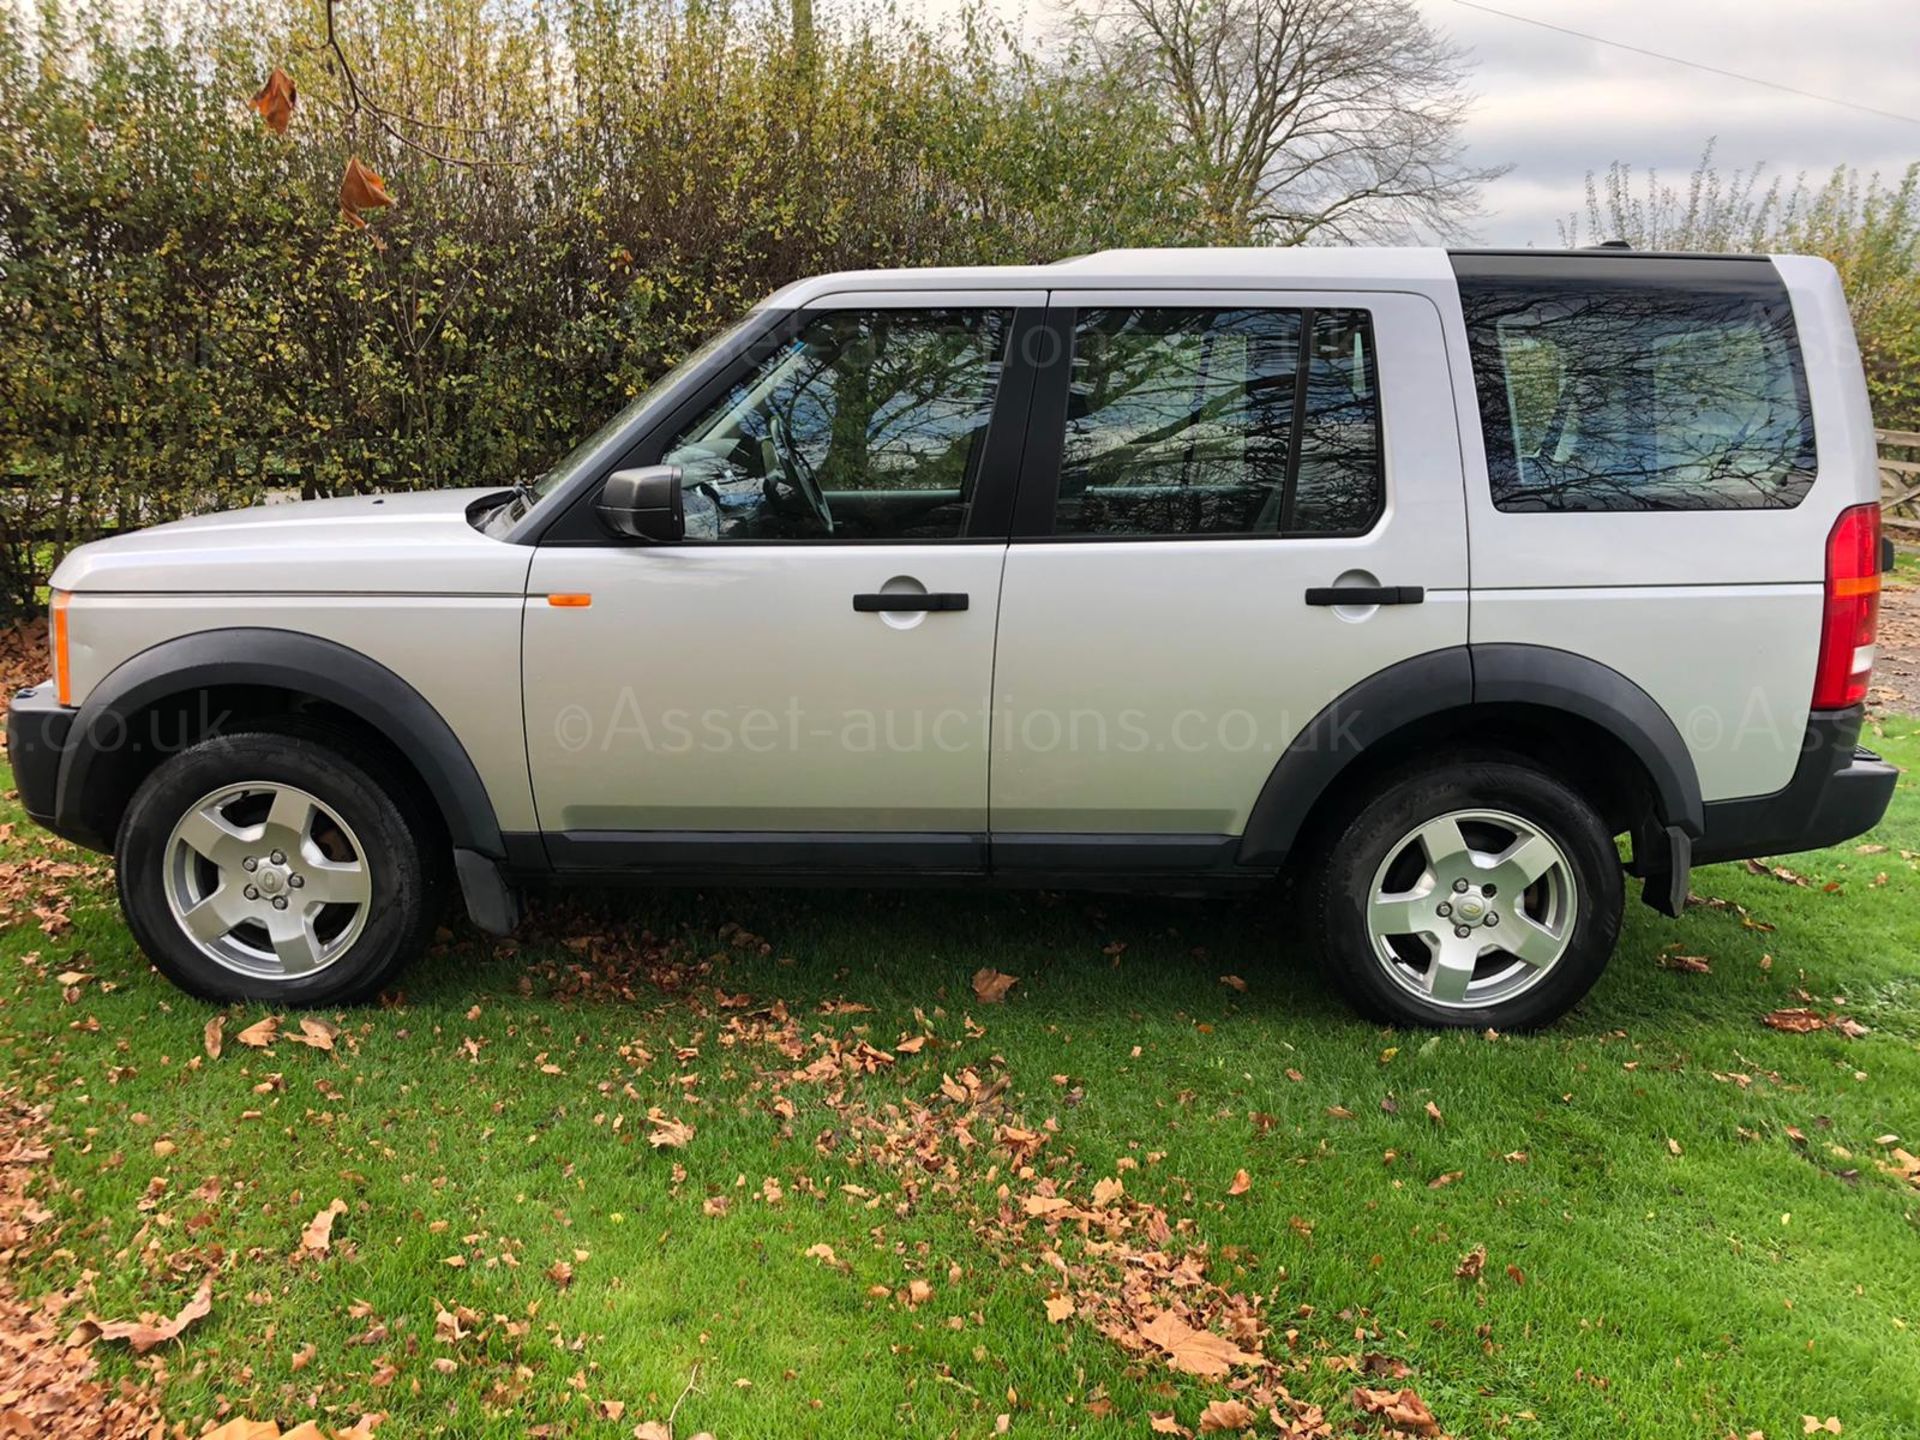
(938, 600)
(1366, 594)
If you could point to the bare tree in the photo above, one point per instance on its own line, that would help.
(1307, 119)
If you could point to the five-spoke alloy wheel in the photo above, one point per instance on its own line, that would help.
(1474, 891)
(267, 880)
(268, 865)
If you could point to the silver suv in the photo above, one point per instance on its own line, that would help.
(1432, 572)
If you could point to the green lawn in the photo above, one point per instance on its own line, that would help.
(1700, 1236)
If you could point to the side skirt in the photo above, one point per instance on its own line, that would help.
(1087, 862)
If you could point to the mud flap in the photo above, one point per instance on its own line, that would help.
(491, 903)
(1663, 857)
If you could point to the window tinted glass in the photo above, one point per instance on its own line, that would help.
(1219, 422)
(867, 425)
(1616, 396)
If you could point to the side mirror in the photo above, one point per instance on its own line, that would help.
(645, 504)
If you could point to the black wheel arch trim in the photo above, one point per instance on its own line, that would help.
(287, 660)
(1425, 685)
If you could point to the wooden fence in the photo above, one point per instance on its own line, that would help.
(1900, 483)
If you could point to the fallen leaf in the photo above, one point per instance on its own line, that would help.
(1398, 1407)
(1433, 1113)
(1166, 1425)
(667, 1133)
(652, 1430)
(145, 1335)
(1242, 1182)
(1472, 1263)
(1195, 1352)
(991, 986)
(1234, 982)
(212, 1034)
(261, 1033)
(317, 1238)
(1225, 1415)
(1813, 1425)
(1059, 1307)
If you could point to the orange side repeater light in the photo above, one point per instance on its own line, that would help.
(62, 669)
(570, 602)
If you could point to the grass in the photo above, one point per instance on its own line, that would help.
(1685, 1265)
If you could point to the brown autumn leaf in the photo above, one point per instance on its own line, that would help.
(1242, 1182)
(991, 986)
(667, 1133)
(1106, 1191)
(1794, 1022)
(145, 1335)
(1814, 1425)
(316, 1032)
(361, 189)
(1225, 1415)
(1195, 1352)
(317, 1238)
(1166, 1424)
(560, 1273)
(1398, 1407)
(1440, 1182)
(1234, 982)
(274, 104)
(1472, 1263)
(261, 1033)
(1059, 1307)
(213, 1034)
(652, 1430)
(1433, 1113)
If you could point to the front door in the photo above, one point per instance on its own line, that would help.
(1199, 463)
(803, 682)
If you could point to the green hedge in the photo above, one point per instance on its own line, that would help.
(186, 321)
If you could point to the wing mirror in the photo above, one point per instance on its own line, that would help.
(645, 504)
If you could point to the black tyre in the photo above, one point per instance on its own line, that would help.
(1474, 892)
(266, 865)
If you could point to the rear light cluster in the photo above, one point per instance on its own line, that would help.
(1852, 610)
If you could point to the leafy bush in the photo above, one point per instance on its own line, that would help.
(187, 322)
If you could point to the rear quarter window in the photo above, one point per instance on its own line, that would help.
(1638, 384)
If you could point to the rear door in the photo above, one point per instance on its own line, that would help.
(1199, 463)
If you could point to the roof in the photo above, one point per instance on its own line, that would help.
(1349, 267)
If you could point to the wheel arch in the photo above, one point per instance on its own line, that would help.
(1570, 713)
(107, 753)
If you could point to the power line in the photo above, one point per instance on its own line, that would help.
(1690, 64)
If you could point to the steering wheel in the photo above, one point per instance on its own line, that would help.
(795, 466)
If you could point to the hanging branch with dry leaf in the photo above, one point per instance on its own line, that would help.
(361, 187)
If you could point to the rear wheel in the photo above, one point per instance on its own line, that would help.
(1479, 893)
(268, 866)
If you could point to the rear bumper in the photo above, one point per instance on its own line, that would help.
(1837, 791)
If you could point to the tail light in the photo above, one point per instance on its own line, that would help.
(57, 636)
(1852, 610)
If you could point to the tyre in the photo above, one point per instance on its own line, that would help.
(1479, 892)
(268, 866)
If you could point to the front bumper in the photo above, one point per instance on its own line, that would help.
(1838, 790)
(37, 729)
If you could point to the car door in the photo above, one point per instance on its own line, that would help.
(803, 682)
(1200, 466)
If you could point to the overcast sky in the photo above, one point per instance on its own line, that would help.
(1556, 107)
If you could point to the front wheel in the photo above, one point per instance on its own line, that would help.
(269, 866)
(1480, 893)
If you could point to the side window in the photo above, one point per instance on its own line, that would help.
(1220, 422)
(1639, 397)
(867, 425)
